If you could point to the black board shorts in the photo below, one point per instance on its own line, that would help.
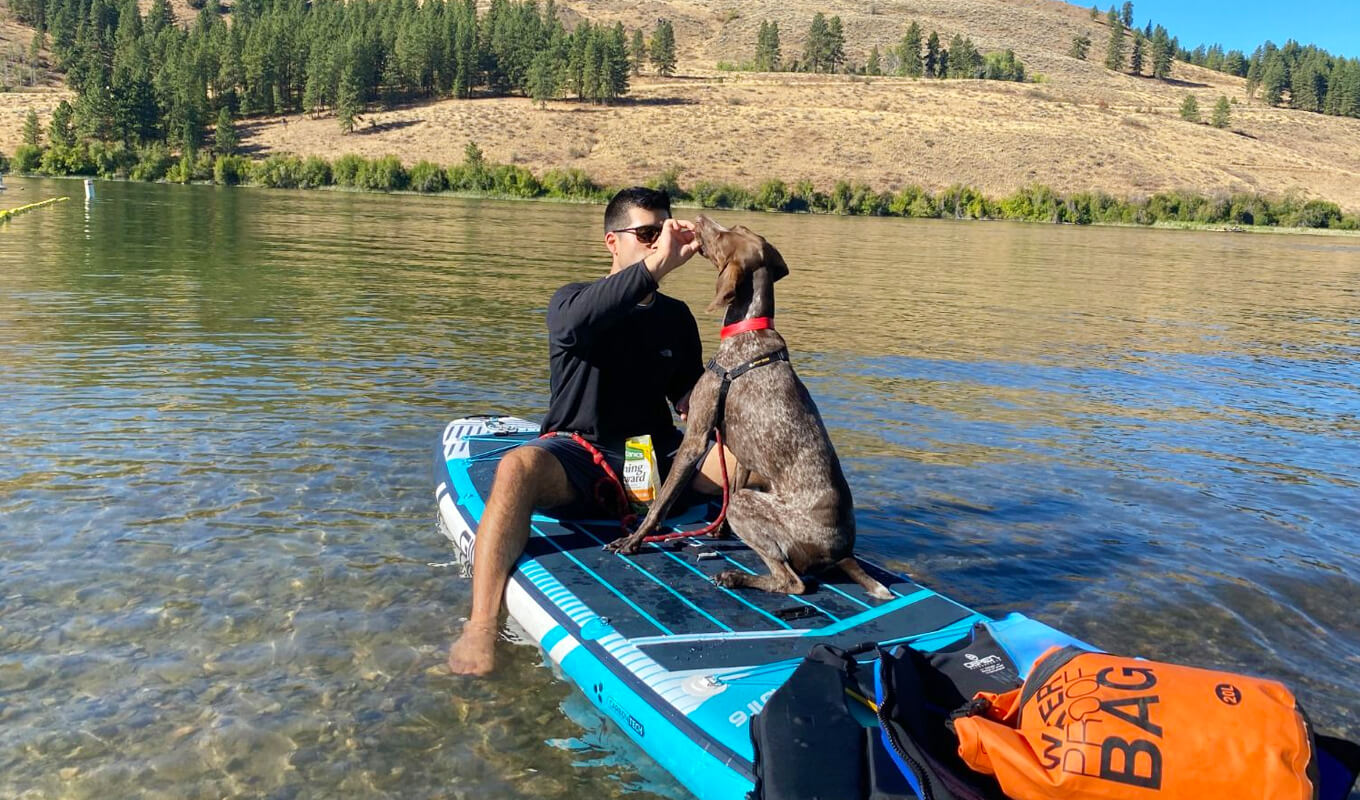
(595, 498)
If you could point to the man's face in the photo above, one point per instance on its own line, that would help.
(629, 244)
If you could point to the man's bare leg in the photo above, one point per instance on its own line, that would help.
(708, 478)
(527, 477)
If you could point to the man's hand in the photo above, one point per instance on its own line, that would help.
(682, 407)
(676, 245)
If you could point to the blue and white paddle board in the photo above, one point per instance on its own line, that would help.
(680, 663)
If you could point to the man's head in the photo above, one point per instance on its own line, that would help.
(632, 223)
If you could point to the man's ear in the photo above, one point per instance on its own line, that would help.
(774, 262)
(728, 278)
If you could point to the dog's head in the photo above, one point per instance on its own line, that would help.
(737, 253)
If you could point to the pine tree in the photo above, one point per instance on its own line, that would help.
(872, 66)
(1136, 59)
(158, 18)
(638, 51)
(1162, 53)
(1307, 86)
(60, 131)
(956, 64)
(1222, 112)
(932, 62)
(835, 42)
(1114, 53)
(663, 48)
(1095, 11)
(348, 101)
(1081, 46)
(225, 140)
(767, 47)
(1126, 16)
(773, 48)
(817, 51)
(1274, 79)
(32, 131)
(616, 64)
(909, 53)
(543, 78)
(1190, 109)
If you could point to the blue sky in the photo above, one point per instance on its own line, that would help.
(1243, 24)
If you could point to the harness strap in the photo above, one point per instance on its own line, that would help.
(729, 375)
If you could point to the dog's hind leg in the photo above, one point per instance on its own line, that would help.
(754, 518)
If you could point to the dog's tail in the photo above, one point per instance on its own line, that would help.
(850, 566)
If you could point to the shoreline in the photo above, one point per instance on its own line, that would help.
(968, 203)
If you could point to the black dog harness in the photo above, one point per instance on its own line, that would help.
(729, 375)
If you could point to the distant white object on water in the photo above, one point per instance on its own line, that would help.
(89, 189)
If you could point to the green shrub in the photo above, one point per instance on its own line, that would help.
(63, 160)
(515, 181)
(428, 177)
(713, 195)
(278, 172)
(315, 172)
(669, 182)
(571, 184)
(231, 170)
(27, 158)
(772, 196)
(384, 174)
(1316, 214)
(153, 162)
(111, 159)
(345, 171)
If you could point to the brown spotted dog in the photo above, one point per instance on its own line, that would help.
(802, 520)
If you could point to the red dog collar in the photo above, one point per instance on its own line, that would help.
(754, 324)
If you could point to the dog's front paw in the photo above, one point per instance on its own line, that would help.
(625, 545)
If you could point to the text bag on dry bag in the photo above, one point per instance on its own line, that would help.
(1093, 726)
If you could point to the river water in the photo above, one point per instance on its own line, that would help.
(222, 574)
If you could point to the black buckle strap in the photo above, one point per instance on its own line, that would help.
(729, 375)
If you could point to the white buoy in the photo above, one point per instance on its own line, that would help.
(89, 189)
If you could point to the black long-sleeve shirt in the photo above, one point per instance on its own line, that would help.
(614, 363)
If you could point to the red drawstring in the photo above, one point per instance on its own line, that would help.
(626, 519)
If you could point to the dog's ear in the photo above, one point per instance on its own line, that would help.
(729, 277)
(774, 262)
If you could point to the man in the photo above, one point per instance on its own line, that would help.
(618, 351)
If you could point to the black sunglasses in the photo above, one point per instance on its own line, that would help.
(644, 233)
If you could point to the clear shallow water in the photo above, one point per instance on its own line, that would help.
(222, 574)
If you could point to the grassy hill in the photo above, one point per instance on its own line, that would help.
(1080, 127)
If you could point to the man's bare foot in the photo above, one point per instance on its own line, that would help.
(474, 653)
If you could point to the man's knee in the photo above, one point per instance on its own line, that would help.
(708, 478)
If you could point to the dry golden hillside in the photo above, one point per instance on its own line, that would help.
(1081, 127)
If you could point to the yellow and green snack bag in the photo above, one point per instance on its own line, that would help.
(639, 472)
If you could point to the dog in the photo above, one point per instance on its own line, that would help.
(802, 520)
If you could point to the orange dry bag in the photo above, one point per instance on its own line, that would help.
(1092, 725)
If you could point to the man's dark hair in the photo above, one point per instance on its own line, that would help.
(616, 213)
